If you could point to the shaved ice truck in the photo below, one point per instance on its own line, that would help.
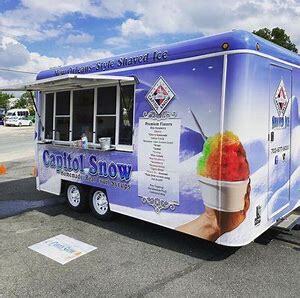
(201, 136)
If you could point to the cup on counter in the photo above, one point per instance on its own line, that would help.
(105, 143)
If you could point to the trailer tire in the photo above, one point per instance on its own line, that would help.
(76, 197)
(99, 204)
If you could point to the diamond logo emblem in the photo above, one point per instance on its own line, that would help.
(160, 95)
(281, 99)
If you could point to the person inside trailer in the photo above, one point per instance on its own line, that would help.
(86, 132)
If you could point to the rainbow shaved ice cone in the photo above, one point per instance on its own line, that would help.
(224, 172)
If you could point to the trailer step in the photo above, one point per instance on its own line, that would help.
(289, 222)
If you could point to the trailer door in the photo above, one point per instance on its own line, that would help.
(279, 151)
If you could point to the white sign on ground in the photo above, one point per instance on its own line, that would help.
(62, 249)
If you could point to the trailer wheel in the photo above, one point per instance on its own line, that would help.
(76, 197)
(99, 204)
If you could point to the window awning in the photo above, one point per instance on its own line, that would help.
(68, 81)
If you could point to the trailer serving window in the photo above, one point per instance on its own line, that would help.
(49, 109)
(106, 113)
(83, 111)
(96, 112)
(101, 111)
(126, 115)
(62, 116)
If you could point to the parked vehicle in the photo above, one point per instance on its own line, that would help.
(2, 115)
(18, 117)
(2, 111)
(202, 136)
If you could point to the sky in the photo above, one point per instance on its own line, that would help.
(39, 34)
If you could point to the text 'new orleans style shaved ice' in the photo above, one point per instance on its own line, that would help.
(223, 158)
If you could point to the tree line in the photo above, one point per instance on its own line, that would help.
(24, 102)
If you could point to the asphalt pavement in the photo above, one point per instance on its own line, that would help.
(16, 143)
(16, 152)
(135, 258)
(21, 195)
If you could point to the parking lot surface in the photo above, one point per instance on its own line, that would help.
(16, 143)
(16, 152)
(136, 259)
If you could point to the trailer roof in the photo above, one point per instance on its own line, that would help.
(237, 40)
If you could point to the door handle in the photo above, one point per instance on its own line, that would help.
(272, 136)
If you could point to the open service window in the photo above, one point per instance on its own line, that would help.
(83, 114)
(106, 114)
(62, 116)
(49, 111)
(102, 111)
(126, 115)
(114, 114)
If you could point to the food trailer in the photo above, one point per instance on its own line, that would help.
(201, 136)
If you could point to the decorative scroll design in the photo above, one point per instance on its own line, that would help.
(159, 204)
(162, 116)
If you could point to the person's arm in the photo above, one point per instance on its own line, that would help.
(213, 223)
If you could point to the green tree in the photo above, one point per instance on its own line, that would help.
(278, 36)
(25, 101)
(21, 103)
(4, 100)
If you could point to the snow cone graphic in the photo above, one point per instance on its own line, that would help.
(223, 173)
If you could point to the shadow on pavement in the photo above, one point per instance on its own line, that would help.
(21, 195)
(150, 233)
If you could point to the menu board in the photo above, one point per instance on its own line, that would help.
(158, 159)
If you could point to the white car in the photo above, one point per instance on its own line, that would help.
(17, 117)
